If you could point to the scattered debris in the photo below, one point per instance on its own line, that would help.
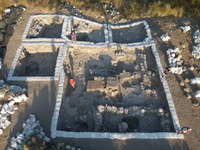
(196, 49)
(197, 94)
(196, 80)
(31, 129)
(182, 84)
(35, 28)
(12, 95)
(185, 28)
(175, 60)
(165, 37)
(186, 80)
(196, 37)
(186, 90)
(188, 96)
(1, 63)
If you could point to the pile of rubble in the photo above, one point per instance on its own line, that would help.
(196, 80)
(185, 89)
(185, 29)
(7, 25)
(33, 137)
(1, 63)
(35, 28)
(30, 127)
(144, 87)
(165, 37)
(10, 96)
(131, 111)
(142, 67)
(196, 49)
(175, 60)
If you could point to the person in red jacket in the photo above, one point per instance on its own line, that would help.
(72, 83)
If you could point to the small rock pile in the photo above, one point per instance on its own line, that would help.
(196, 80)
(185, 89)
(138, 111)
(143, 64)
(35, 28)
(196, 49)
(185, 29)
(33, 137)
(1, 63)
(175, 60)
(12, 95)
(165, 37)
(133, 110)
(30, 127)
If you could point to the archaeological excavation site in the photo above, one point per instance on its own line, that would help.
(119, 92)
(101, 74)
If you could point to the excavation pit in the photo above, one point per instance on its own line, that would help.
(36, 62)
(45, 27)
(87, 31)
(117, 90)
(127, 34)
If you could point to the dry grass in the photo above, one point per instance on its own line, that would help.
(159, 9)
(127, 8)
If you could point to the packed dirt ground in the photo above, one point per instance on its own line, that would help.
(42, 94)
